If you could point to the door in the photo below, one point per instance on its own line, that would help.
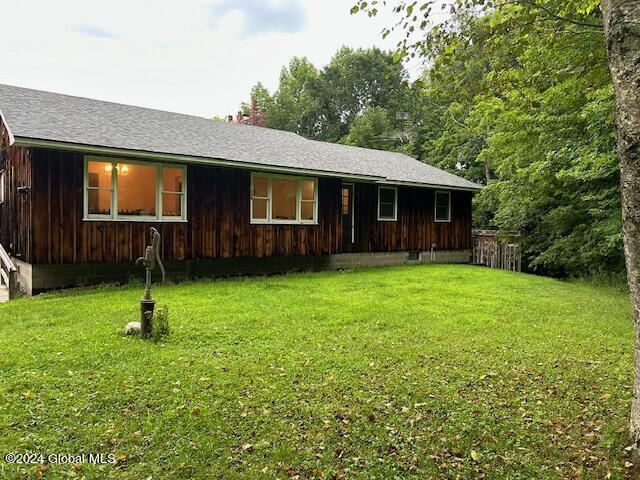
(348, 220)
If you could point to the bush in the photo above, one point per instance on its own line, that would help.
(160, 324)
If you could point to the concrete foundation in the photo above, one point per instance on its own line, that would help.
(37, 278)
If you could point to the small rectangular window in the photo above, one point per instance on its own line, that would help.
(172, 192)
(283, 199)
(387, 203)
(307, 200)
(443, 207)
(259, 198)
(99, 188)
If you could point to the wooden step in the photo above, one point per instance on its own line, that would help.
(4, 294)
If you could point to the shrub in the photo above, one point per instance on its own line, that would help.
(160, 324)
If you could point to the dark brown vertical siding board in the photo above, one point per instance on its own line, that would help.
(16, 211)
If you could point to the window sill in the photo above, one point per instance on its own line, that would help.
(303, 224)
(442, 221)
(136, 220)
(387, 219)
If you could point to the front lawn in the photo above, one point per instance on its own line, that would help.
(425, 372)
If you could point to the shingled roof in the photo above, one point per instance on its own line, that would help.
(40, 118)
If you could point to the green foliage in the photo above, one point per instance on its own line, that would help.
(355, 80)
(264, 100)
(372, 129)
(516, 96)
(297, 106)
(528, 111)
(160, 324)
(377, 374)
(324, 104)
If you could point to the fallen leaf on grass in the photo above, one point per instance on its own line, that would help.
(40, 471)
(245, 447)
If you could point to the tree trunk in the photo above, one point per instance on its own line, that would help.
(622, 36)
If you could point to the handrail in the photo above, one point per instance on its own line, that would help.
(8, 272)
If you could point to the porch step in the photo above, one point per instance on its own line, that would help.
(4, 294)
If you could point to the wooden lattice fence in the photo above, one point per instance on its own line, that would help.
(497, 250)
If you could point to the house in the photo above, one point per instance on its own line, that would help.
(83, 180)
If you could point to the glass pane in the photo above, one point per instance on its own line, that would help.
(283, 191)
(387, 195)
(308, 187)
(386, 210)
(306, 210)
(260, 186)
(99, 174)
(136, 190)
(442, 212)
(442, 199)
(172, 179)
(259, 209)
(346, 197)
(99, 201)
(172, 204)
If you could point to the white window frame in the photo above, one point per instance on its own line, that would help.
(113, 216)
(298, 220)
(3, 186)
(395, 204)
(435, 206)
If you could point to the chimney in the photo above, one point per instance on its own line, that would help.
(254, 110)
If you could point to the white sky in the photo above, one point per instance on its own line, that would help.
(187, 56)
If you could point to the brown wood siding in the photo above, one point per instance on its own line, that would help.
(415, 228)
(218, 220)
(15, 212)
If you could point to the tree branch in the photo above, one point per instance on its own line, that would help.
(548, 11)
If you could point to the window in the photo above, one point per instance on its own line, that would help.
(283, 199)
(136, 191)
(387, 203)
(443, 206)
(3, 180)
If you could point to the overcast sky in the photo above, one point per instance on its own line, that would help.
(191, 56)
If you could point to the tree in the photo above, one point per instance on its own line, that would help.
(297, 105)
(358, 79)
(622, 38)
(264, 100)
(372, 129)
(530, 116)
(323, 104)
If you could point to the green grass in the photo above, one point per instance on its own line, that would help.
(425, 372)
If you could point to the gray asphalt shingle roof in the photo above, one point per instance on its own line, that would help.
(39, 115)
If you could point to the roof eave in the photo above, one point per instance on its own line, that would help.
(441, 186)
(12, 139)
(101, 150)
